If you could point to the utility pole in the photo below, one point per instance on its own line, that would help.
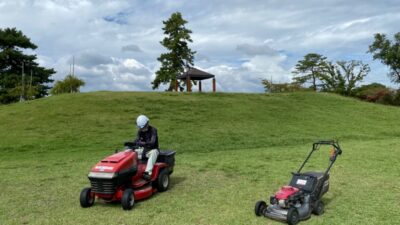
(272, 86)
(21, 97)
(30, 87)
(73, 65)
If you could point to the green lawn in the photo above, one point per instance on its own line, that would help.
(232, 150)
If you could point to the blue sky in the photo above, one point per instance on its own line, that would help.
(116, 43)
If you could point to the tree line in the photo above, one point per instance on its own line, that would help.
(21, 77)
(343, 77)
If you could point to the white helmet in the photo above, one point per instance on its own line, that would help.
(142, 121)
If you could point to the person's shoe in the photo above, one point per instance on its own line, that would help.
(146, 176)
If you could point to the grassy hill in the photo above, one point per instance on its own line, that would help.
(232, 150)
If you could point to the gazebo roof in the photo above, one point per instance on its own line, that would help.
(195, 74)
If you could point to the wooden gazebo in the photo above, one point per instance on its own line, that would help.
(195, 74)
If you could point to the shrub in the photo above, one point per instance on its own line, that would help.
(396, 98)
(369, 91)
(70, 84)
(385, 97)
(282, 87)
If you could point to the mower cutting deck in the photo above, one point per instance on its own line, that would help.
(303, 195)
(119, 177)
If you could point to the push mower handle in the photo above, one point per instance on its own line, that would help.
(316, 145)
(335, 144)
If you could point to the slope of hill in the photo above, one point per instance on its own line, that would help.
(233, 149)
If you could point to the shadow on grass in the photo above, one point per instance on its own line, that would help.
(328, 200)
(117, 204)
(176, 180)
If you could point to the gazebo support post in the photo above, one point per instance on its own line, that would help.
(199, 85)
(188, 84)
(214, 85)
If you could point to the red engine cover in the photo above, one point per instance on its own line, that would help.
(116, 162)
(285, 192)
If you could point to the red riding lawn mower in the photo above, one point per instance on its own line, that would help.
(119, 178)
(303, 195)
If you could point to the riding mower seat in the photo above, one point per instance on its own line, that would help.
(165, 156)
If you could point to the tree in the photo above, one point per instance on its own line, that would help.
(280, 87)
(20, 76)
(388, 52)
(70, 84)
(343, 76)
(309, 69)
(179, 57)
(371, 92)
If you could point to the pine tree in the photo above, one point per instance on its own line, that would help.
(20, 76)
(179, 57)
(310, 69)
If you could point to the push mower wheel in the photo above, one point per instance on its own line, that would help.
(128, 199)
(163, 181)
(318, 208)
(292, 216)
(259, 209)
(86, 198)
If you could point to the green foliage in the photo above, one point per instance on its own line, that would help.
(343, 76)
(309, 69)
(366, 87)
(281, 87)
(12, 63)
(366, 91)
(179, 57)
(224, 163)
(378, 93)
(385, 97)
(70, 84)
(388, 52)
(29, 92)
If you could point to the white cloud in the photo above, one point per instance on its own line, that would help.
(240, 42)
(253, 50)
(116, 74)
(247, 76)
(131, 48)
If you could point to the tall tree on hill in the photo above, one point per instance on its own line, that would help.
(20, 76)
(389, 53)
(343, 76)
(179, 57)
(309, 69)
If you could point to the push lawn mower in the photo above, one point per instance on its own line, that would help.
(303, 195)
(119, 177)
